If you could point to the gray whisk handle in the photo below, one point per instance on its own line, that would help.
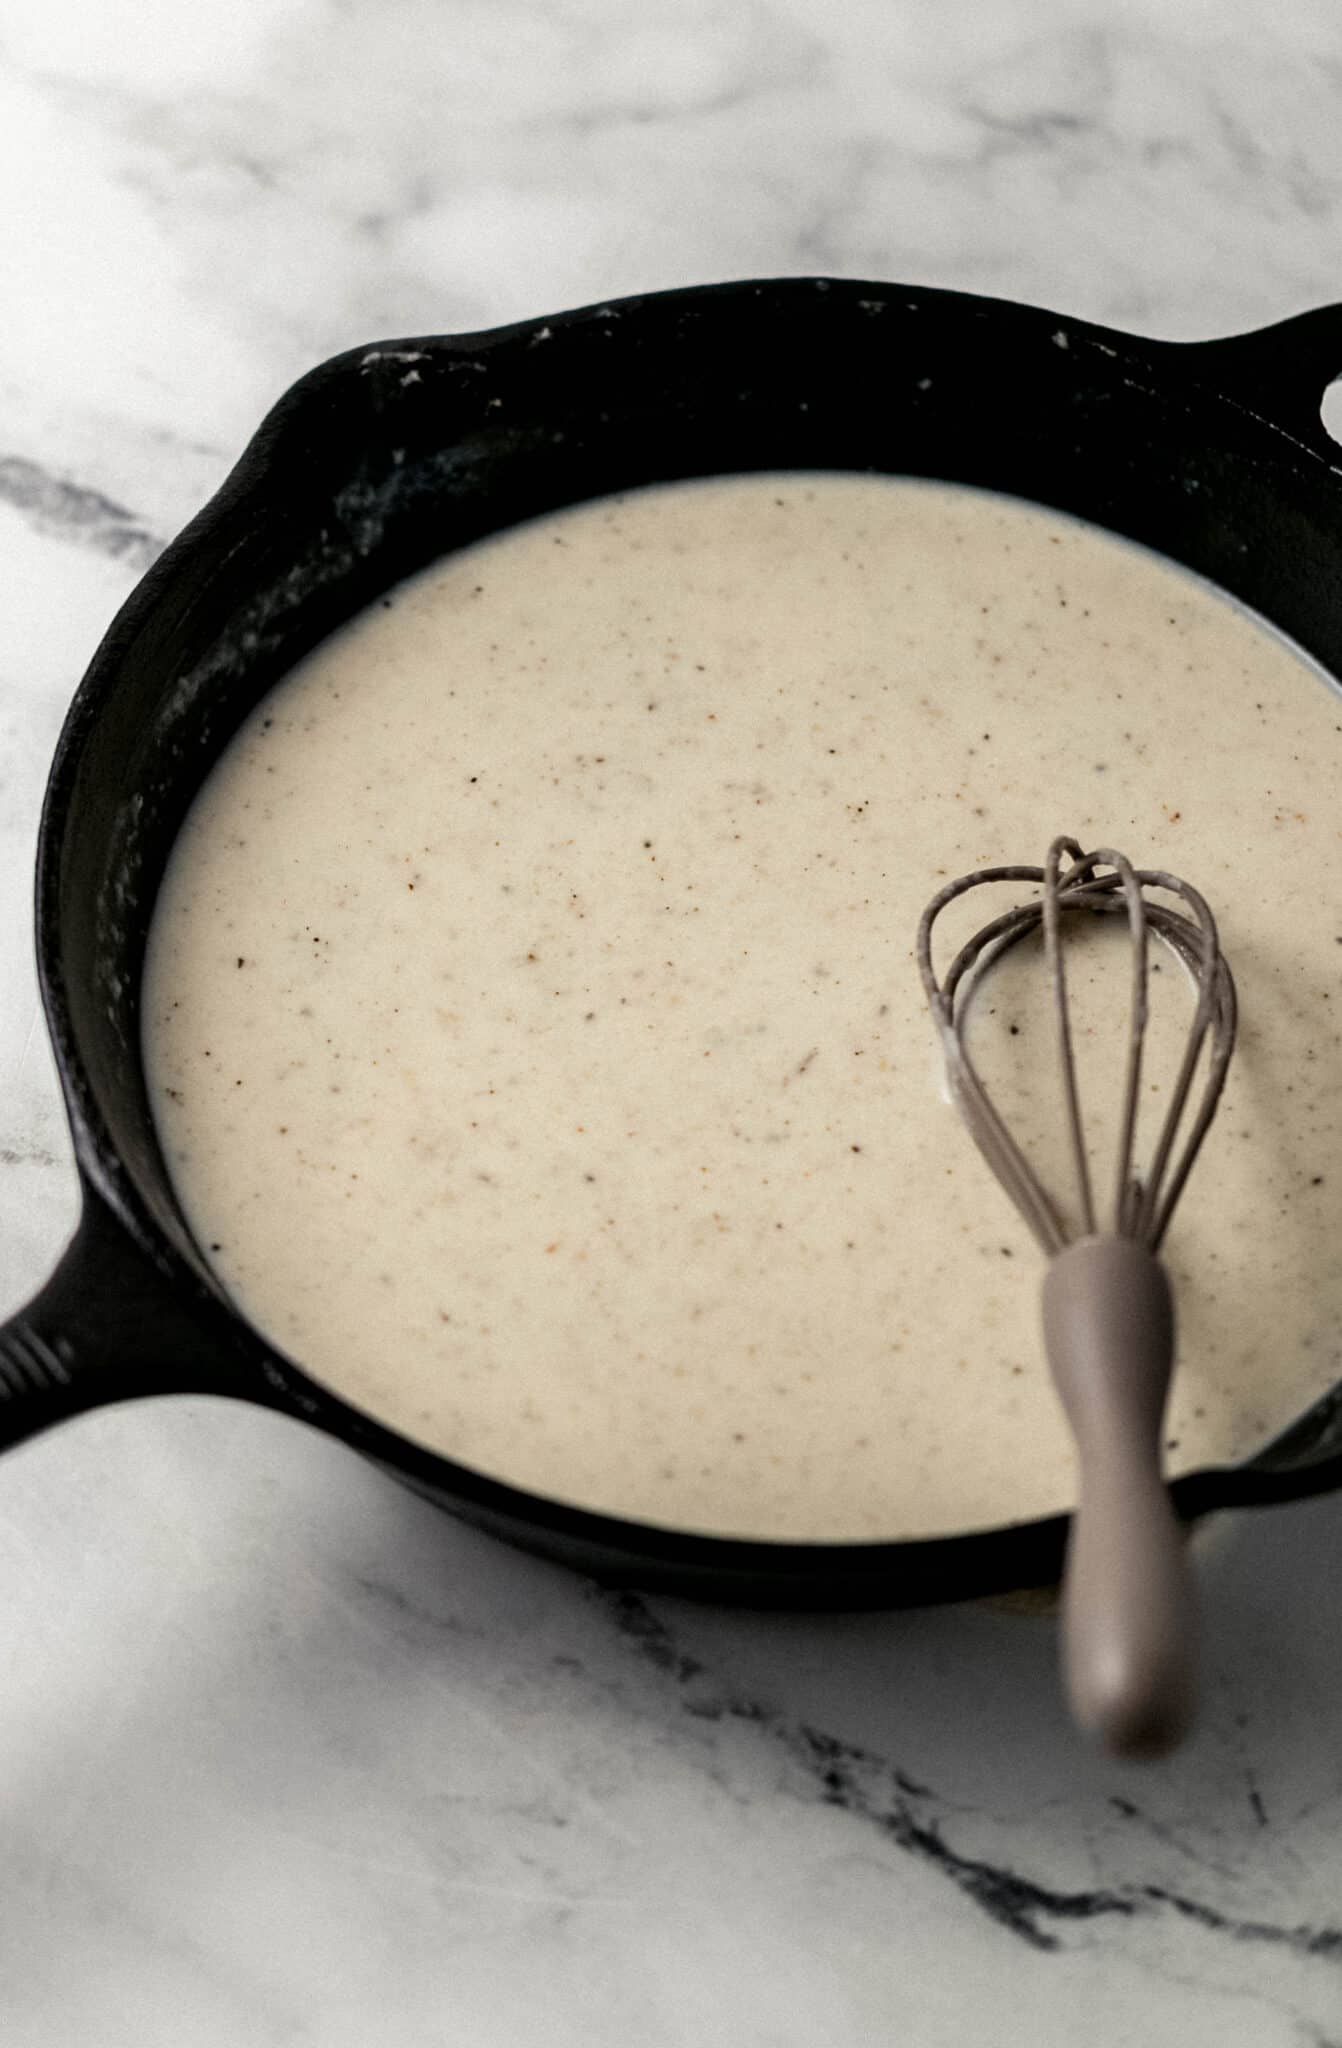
(1129, 1646)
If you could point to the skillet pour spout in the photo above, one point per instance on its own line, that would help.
(391, 455)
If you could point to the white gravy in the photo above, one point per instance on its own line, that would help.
(536, 1042)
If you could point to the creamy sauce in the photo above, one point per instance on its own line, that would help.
(536, 1042)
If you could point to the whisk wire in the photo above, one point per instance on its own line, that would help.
(985, 1125)
(1062, 1015)
(1154, 1215)
(1127, 1184)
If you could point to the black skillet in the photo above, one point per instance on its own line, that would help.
(387, 456)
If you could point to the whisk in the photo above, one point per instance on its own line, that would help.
(1108, 1313)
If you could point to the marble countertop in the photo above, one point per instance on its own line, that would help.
(286, 1756)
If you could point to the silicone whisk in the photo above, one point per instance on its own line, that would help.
(1129, 1636)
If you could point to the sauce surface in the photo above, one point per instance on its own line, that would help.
(536, 1042)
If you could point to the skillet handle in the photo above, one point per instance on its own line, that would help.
(1280, 372)
(107, 1327)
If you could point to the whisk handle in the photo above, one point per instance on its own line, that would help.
(1128, 1611)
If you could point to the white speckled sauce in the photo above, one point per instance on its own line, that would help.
(536, 1041)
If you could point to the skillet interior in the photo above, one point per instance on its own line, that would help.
(388, 456)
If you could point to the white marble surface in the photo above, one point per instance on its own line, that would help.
(286, 1757)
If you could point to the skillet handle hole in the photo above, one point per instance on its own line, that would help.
(1330, 410)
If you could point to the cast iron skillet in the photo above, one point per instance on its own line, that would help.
(385, 457)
